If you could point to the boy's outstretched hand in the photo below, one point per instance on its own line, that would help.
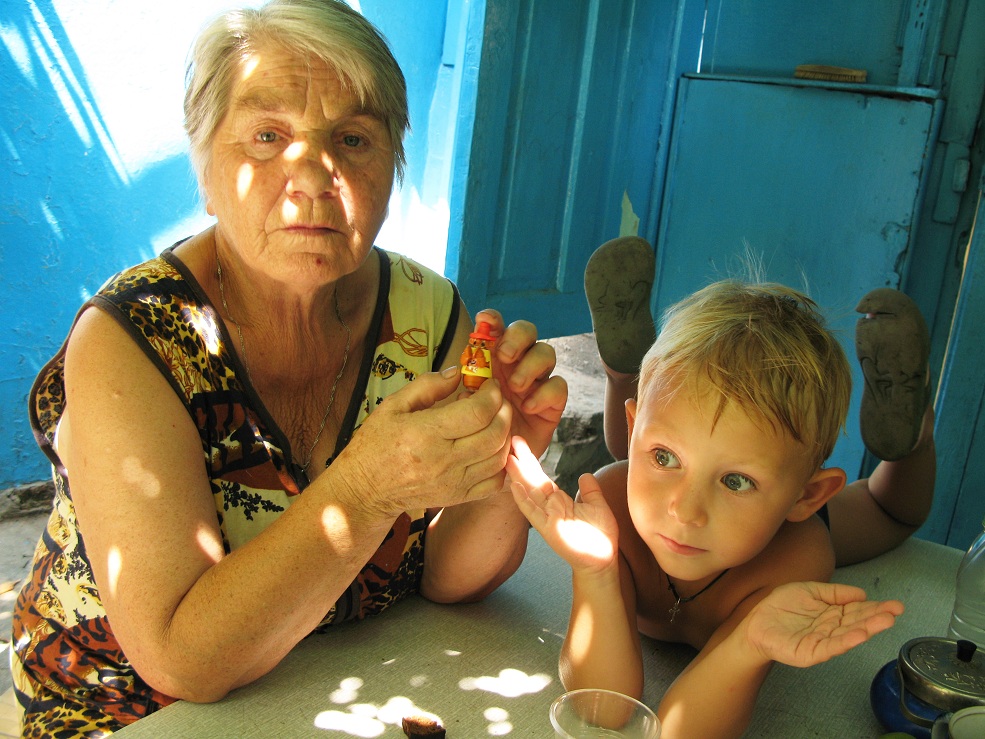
(583, 531)
(805, 623)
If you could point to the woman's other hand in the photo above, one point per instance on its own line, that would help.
(523, 366)
(415, 452)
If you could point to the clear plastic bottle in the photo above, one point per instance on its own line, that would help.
(968, 616)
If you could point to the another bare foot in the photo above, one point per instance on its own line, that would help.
(618, 280)
(893, 345)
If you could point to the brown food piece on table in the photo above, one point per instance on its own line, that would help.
(423, 726)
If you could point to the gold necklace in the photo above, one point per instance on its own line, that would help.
(246, 360)
(676, 608)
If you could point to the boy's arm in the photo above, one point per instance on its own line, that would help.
(716, 694)
(799, 624)
(602, 646)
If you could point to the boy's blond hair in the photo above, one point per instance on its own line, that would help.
(763, 346)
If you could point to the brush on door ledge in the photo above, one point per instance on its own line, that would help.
(826, 72)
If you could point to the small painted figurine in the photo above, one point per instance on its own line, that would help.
(476, 358)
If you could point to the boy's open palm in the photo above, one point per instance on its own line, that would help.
(805, 623)
(583, 531)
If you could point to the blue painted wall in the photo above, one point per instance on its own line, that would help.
(94, 171)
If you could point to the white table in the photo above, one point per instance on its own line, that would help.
(490, 669)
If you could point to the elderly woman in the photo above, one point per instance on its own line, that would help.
(240, 453)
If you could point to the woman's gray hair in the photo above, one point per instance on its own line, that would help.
(328, 30)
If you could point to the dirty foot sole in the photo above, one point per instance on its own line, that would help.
(892, 344)
(618, 280)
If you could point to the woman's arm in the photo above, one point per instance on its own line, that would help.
(194, 622)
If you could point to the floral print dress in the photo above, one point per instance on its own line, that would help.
(69, 672)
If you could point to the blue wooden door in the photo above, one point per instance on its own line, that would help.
(681, 120)
(959, 498)
(556, 146)
(817, 184)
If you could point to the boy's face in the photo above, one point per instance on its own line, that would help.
(707, 497)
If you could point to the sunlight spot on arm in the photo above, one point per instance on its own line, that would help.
(210, 542)
(335, 522)
(114, 563)
(139, 478)
(583, 537)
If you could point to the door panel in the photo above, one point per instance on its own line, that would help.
(820, 183)
(566, 96)
(956, 518)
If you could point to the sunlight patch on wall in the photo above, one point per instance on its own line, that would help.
(10, 147)
(62, 77)
(135, 79)
(56, 227)
(71, 109)
(416, 230)
(178, 231)
(17, 48)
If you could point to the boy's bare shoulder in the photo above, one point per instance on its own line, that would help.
(799, 551)
(612, 480)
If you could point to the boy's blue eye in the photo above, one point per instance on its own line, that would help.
(738, 483)
(666, 458)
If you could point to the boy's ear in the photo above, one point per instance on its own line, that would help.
(822, 487)
(630, 416)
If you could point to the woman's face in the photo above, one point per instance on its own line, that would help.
(300, 175)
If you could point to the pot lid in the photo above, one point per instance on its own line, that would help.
(945, 673)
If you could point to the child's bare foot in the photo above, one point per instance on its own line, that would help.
(618, 279)
(893, 345)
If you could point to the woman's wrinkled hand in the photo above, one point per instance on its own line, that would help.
(523, 366)
(410, 453)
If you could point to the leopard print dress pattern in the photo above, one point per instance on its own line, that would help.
(69, 671)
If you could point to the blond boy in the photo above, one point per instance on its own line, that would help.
(707, 533)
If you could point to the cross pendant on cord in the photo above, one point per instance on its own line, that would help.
(674, 610)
